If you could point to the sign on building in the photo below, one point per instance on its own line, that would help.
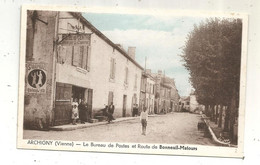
(36, 77)
(76, 39)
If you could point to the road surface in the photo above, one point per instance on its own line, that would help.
(172, 128)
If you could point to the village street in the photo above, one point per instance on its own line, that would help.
(173, 128)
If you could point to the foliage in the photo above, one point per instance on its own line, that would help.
(212, 55)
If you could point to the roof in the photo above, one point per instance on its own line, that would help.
(146, 74)
(101, 35)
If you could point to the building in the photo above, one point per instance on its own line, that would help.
(147, 93)
(175, 97)
(74, 60)
(166, 94)
(184, 103)
(195, 107)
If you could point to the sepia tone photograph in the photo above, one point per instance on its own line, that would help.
(158, 81)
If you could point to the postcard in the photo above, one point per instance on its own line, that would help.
(128, 80)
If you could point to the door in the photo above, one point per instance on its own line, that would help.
(134, 101)
(172, 108)
(78, 93)
(62, 113)
(124, 105)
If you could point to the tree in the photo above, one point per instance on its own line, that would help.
(212, 55)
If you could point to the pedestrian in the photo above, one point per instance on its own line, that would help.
(82, 111)
(110, 112)
(86, 111)
(74, 114)
(133, 114)
(144, 120)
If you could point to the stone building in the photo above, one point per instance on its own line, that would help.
(166, 93)
(147, 93)
(194, 105)
(74, 60)
(184, 103)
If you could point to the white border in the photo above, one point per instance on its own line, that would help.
(202, 150)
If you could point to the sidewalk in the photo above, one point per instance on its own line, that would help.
(70, 127)
(215, 131)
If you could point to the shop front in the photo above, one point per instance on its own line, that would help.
(65, 95)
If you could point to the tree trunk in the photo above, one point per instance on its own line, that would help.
(207, 110)
(226, 123)
(220, 116)
(212, 110)
(216, 114)
(233, 113)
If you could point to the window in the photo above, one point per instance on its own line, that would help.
(112, 68)
(81, 56)
(135, 84)
(126, 75)
(143, 84)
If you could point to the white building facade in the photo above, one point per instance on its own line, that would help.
(88, 66)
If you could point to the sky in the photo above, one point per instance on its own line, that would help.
(158, 38)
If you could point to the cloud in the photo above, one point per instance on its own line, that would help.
(157, 37)
(161, 49)
(147, 39)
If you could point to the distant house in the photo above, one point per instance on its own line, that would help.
(166, 94)
(147, 93)
(195, 107)
(184, 103)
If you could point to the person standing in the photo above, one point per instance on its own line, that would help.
(82, 111)
(111, 110)
(133, 114)
(75, 111)
(144, 120)
(86, 111)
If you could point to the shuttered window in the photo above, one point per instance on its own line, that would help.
(135, 84)
(87, 55)
(81, 57)
(126, 75)
(76, 56)
(112, 68)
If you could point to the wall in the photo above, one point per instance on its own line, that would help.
(98, 77)
(150, 95)
(39, 54)
(193, 103)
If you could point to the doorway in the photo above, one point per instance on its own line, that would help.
(134, 101)
(62, 113)
(124, 105)
(78, 93)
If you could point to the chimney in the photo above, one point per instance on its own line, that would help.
(131, 52)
